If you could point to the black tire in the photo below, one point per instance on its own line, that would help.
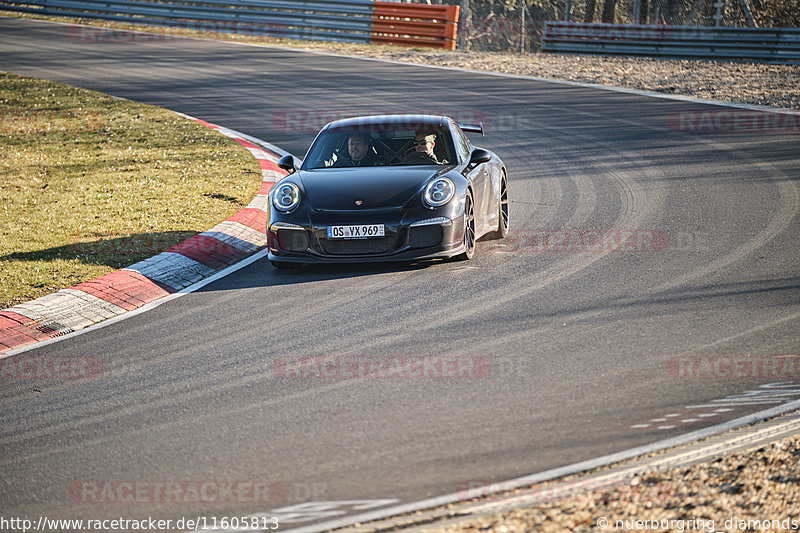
(469, 230)
(502, 212)
(284, 265)
(502, 229)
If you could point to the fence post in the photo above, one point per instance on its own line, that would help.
(719, 15)
(693, 12)
(747, 14)
(463, 26)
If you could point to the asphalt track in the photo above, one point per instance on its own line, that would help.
(578, 341)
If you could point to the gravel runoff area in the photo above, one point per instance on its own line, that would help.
(758, 490)
(748, 83)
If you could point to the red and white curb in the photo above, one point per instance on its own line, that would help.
(197, 258)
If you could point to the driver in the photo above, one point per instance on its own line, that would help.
(423, 149)
(359, 152)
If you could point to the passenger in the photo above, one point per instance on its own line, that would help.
(423, 150)
(359, 152)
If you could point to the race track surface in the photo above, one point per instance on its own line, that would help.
(581, 348)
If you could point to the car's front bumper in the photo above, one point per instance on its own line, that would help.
(408, 236)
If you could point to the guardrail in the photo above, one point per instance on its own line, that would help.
(339, 20)
(327, 20)
(778, 45)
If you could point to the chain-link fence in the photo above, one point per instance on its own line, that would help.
(517, 25)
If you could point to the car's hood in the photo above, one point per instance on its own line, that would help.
(375, 187)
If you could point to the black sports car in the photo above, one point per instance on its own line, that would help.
(387, 188)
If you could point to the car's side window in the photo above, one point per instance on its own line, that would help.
(463, 146)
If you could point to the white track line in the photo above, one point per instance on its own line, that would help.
(152, 305)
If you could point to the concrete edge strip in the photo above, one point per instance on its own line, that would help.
(548, 475)
(181, 266)
(148, 306)
(704, 450)
(680, 456)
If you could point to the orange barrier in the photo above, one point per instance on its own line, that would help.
(415, 25)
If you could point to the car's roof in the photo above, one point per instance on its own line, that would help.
(376, 120)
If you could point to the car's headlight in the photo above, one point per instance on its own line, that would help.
(439, 191)
(286, 197)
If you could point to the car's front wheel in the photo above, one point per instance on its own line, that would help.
(502, 224)
(469, 230)
(502, 211)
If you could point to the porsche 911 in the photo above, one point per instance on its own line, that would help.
(387, 188)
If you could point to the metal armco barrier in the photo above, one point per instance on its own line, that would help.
(325, 20)
(415, 24)
(778, 45)
(340, 20)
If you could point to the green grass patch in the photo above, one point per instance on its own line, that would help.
(90, 183)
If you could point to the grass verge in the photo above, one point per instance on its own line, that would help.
(90, 183)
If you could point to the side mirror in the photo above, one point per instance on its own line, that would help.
(287, 163)
(479, 155)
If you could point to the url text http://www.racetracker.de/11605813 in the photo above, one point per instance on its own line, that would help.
(200, 523)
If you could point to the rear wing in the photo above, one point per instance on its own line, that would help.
(472, 128)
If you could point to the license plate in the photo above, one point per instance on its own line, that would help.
(362, 231)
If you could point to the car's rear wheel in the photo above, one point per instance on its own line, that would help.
(469, 230)
(284, 265)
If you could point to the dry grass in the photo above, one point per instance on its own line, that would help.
(90, 183)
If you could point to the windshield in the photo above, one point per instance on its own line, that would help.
(381, 145)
